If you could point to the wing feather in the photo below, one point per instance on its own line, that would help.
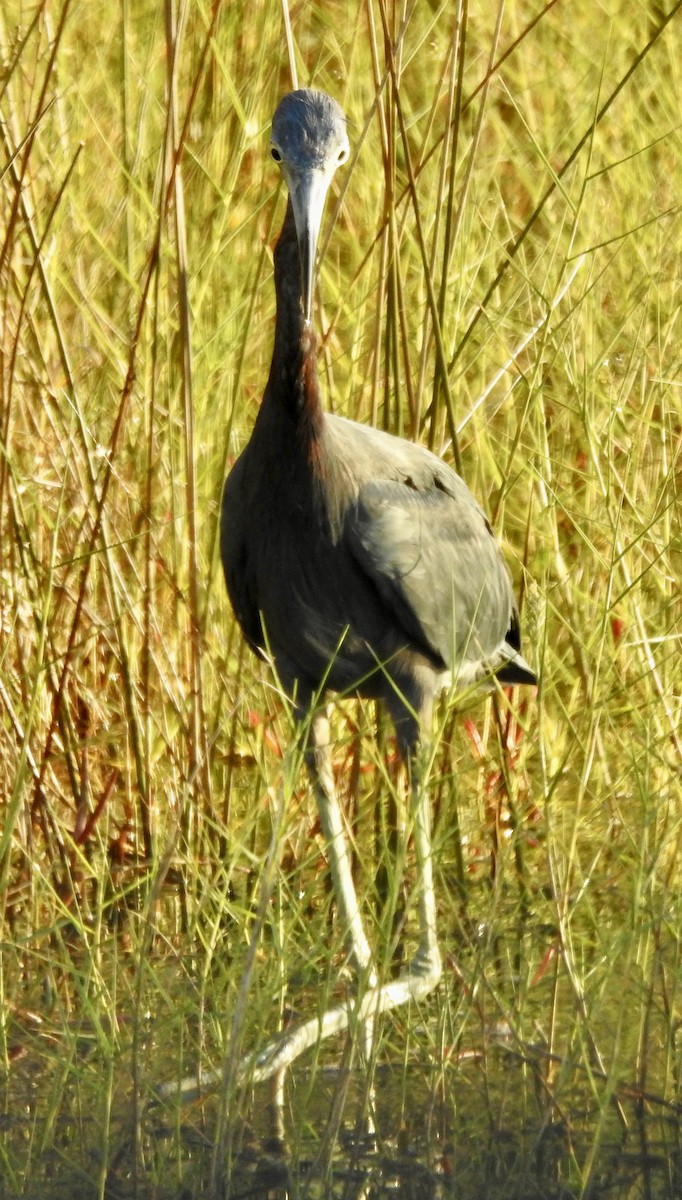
(431, 554)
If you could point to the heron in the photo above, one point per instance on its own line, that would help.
(361, 564)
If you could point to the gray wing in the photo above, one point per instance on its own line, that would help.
(433, 558)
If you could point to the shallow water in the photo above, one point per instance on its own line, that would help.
(488, 1126)
(479, 1133)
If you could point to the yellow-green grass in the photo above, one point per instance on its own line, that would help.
(520, 315)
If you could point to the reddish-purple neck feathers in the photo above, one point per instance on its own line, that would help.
(293, 383)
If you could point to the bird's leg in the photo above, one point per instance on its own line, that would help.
(427, 961)
(423, 973)
(319, 759)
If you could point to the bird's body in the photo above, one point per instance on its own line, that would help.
(362, 561)
(359, 560)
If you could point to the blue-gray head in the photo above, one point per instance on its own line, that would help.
(309, 141)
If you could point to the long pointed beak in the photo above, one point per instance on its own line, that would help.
(308, 191)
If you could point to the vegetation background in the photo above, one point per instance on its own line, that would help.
(500, 279)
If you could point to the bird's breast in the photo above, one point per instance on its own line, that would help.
(317, 608)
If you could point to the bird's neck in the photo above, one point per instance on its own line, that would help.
(293, 383)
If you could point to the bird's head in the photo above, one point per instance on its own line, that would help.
(309, 141)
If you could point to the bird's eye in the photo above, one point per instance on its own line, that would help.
(342, 155)
(275, 154)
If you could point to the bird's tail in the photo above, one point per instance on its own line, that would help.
(515, 669)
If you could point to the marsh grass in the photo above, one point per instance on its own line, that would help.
(501, 280)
